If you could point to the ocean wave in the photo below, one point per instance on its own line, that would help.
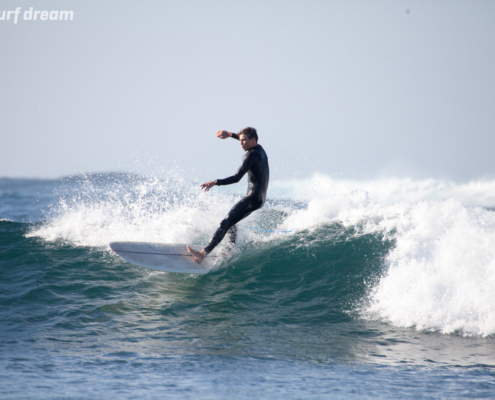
(440, 273)
(434, 269)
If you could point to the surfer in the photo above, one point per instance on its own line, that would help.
(255, 163)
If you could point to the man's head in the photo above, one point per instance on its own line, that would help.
(249, 138)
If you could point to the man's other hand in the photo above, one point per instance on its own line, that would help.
(208, 185)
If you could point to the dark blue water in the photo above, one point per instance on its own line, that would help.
(299, 315)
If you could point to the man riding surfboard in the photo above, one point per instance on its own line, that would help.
(255, 163)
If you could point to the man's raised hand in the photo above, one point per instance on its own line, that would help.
(223, 134)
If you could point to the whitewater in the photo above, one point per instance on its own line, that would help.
(342, 288)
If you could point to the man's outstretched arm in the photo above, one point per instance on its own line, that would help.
(249, 159)
(226, 134)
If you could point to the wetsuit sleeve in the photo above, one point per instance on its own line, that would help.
(249, 160)
(235, 136)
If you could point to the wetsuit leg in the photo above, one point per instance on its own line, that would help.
(240, 211)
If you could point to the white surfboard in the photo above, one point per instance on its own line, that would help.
(164, 257)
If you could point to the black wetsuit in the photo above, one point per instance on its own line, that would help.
(255, 163)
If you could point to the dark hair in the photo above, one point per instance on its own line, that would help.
(250, 133)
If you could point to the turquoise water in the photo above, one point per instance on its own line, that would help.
(369, 296)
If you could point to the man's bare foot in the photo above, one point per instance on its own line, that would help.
(199, 256)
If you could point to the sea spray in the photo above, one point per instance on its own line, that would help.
(95, 211)
(389, 190)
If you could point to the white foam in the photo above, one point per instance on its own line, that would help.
(441, 273)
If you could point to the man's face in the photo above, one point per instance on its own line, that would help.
(247, 144)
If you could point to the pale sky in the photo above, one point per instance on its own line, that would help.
(355, 89)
